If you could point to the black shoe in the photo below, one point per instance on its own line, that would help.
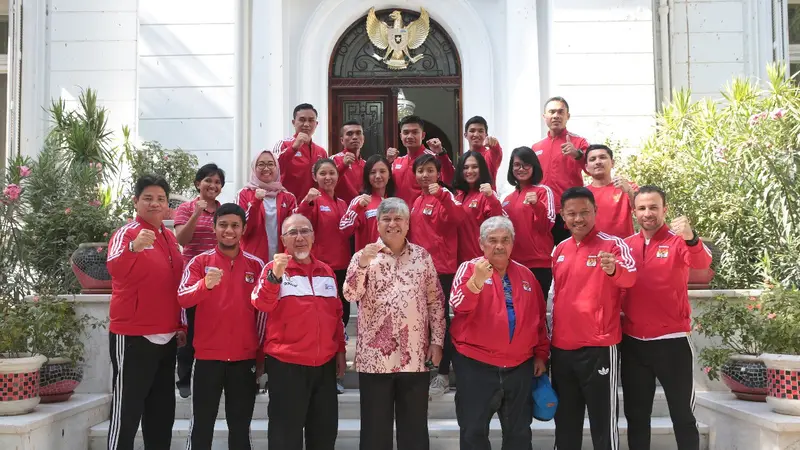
(185, 391)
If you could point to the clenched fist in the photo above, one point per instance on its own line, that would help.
(391, 154)
(435, 145)
(490, 141)
(434, 188)
(530, 198)
(608, 262)
(622, 184)
(199, 207)
(486, 189)
(260, 194)
(302, 139)
(280, 261)
(213, 277)
(312, 195)
(144, 239)
(682, 228)
(368, 254)
(349, 158)
(483, 271)
(364, 200)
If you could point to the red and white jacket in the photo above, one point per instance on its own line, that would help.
(226, 325)
(406, 186)
(433, 218)
(332, 246)
(479, 328)
(304, 313)
(493, 157)
(296, 164)
(362, 221)
(586, 306)
(533, 242)
(658, 304)
(351, 179)
(614, 211)
(144, 285)
(254, 239)
(477, 208)
(561, 172)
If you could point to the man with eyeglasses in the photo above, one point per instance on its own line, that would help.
(297, 154)
(304, 342)
(590, 268)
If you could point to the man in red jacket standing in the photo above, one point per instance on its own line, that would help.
(297, 154)
(561, 155)
(499, 332)
(657, 321)
(412, 132)
(614, 196)
(228, 332)
(145, 330)
(349, 162)
(589, 269)
(476, 131)
(304, 342)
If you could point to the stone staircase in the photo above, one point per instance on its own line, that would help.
(442, 422)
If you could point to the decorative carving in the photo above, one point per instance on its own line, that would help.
(353, 57)
(397, 39)
(370, 114)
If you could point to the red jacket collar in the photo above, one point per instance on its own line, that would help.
(148, 225)
(562, 135)
(660, 235)
(225, 257)
(414, 154)
(588, 238)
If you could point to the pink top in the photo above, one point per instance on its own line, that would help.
(401, 300)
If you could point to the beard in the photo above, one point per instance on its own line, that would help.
(228, 247)
(302, 255)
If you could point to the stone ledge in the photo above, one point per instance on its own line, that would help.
(756, 413)
(48, 413)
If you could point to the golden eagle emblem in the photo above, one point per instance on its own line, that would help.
(397, 40)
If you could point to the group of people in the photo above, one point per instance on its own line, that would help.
(264, 285)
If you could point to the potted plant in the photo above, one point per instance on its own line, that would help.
(19, 366)
(782, 358)
(737, 328)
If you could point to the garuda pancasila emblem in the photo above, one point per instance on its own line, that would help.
(397, 40)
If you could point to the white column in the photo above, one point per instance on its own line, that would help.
(241, 120)
(35, 89)
(268, 116)
(522, 87)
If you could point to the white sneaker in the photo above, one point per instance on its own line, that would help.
(440, 385)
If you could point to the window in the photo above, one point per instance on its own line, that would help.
(793, 30)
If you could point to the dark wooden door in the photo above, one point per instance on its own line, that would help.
(374, 108)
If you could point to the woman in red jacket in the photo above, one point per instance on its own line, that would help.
(266, 204)
(473, 188)
(361, 218)
(531, 208)
(434, 216)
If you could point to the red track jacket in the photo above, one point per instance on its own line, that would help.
(533, 242)
(586, 306)
(296, 164)
(226, 325)
(560, 172)
(144, 295)
(331, 246)
(432, 227)
(614, 211)
(493, 157)
(351, 179)
(405, 179)
(658, 304)
(304, 314)
(479, 328)
(477, 208)
(254, 239)
(362, 221)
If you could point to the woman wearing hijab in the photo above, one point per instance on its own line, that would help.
(267, 204)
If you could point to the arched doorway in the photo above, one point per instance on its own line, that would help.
(363, 88)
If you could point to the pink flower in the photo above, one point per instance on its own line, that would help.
(777, 113)
(758, 306)
(24, 171)
(749, 307)
(755, 118)
(698, 327)
(706, 369)
(35, 298)
(166, 158)
(105, 234)
(12, 191)
(752, 298)
(95, 203)
(99, 249)
(68, 211)
(99, 166)
(771, 316)
(719, 154)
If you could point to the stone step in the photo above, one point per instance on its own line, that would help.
(349, 406)
(443, 435)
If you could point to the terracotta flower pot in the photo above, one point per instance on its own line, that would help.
(89, 265)
(783, 382)
(19, 384)
(746, 377)
(58, 380)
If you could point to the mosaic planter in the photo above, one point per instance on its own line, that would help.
(58, 380)
(89, 265)
(783, 382)
(746, 377)
(19, 384)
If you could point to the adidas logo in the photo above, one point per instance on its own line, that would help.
(603, 371)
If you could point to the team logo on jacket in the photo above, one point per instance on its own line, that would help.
(488, 281)
(398, 166)
(298, 154)
(663, 251)
(249, 277)
(617, 196)
(560, 258)
(526, 286)
(371, 213)
(428, 210)
(283, 205)
(324, 208)
(591, 261)
(539, 152)
(473, 203)
(208, 268)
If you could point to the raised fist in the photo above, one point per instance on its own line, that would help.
(622, 184)
(369, 253)
(490, 141)
(144, 239)
(200, 206)
(312, 195)
(280, 261)
(435, 145)
(364, 200)
(682, 228)
(300, 140)
(608, 262)
(349, 158)
(213, 277)
(434, 188)
(486, 189)
(260, 194)
(391, 154)
(483, 271)
(530, 198)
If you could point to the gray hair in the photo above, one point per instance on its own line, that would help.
(496, 223)
(393, 205)
(295, 217)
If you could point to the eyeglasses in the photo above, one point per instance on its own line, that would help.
(521, 166)
(262, 165)
(294, 232)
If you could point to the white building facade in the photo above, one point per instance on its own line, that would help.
(220, 78)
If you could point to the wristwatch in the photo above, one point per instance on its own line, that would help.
(130, 247)
(580, 155)
(694, 240)
(273, 279)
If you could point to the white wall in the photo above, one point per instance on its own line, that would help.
(186, 78)
(92, 44)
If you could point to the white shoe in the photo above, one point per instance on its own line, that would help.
(440, 385)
